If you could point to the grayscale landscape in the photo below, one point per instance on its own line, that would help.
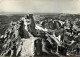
(40, 34)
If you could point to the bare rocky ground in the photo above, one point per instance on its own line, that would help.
(28, 44)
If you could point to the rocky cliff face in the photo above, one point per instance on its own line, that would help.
(10, 37)
(17, 39)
